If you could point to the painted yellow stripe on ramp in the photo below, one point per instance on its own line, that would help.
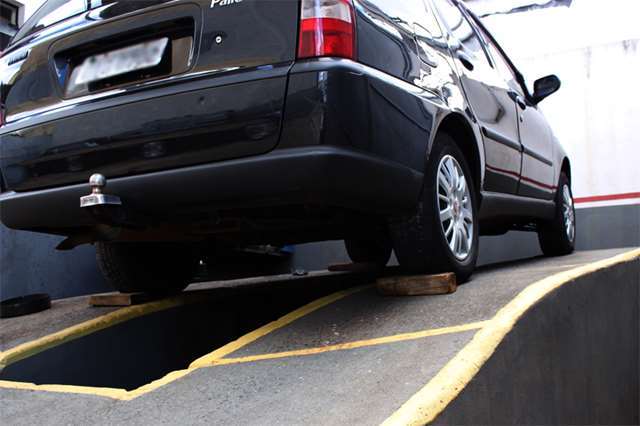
(36, 346)
(149, 387)
(433, 398)
(209, 359)
(82, 390)
(52, 340)
(354, 345)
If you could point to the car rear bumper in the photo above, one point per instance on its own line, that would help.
(327, 176)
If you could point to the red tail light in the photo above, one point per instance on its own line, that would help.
(327, 28)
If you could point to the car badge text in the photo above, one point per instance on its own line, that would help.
(220, 3)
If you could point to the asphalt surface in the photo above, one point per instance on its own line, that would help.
(68, 312)
(362, 385)
(63, 313)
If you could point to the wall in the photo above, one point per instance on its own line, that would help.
(29, 264)
(571, 359)
(595, 115)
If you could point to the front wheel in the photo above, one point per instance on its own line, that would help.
(558, 236)
(154, 268)
(442, 234)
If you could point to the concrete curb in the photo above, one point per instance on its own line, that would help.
(430, 401)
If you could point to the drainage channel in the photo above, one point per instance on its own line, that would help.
(136, 352)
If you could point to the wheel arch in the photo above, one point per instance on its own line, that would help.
(459, 129)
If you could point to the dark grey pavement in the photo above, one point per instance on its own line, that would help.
(63, 313)
(354, 386)
(365, 315)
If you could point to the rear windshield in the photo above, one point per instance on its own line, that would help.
(53, 11)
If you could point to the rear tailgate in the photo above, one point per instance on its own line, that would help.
(214, 88)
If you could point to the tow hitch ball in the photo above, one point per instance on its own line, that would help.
(106, 209)
(97, 182)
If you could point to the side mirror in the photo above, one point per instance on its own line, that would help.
(544, 87)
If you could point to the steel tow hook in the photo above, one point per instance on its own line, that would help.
(98, 182)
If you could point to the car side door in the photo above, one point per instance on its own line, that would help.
(537, 174)
(490, 99)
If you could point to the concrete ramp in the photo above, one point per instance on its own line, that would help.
(539, 341)
(564, 351)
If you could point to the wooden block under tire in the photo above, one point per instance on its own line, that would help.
(121, 299)
(417, 285)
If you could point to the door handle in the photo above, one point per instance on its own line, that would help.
(515, 96)
(465, 60)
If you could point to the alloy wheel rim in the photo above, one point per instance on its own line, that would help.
(455, 208)
(568, 213)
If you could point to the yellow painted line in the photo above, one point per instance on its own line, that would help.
(433, 398)
(208, 359)
(36, 346)
(82, 390)
(77, 331)
(354, 345)
(150, 387)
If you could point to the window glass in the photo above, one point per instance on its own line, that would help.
(428, 34)
(54, 11)
(462, 30)
(51, 12)
(502, 65)
(404, 12)
(426, 21)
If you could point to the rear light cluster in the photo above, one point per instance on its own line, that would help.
(327, 28)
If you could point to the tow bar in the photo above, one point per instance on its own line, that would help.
(107, 210)
(98, 182)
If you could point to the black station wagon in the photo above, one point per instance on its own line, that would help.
(162, 131)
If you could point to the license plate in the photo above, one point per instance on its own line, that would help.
(120, 61)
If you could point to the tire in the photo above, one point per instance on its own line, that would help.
(557, 237)
(419, 240)
(375, 250)
(24, 305)
(153, 268)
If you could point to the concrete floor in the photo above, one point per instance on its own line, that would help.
(363, 385)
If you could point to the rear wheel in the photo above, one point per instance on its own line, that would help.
(442, 233)
(156, 268)
(558, 236)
